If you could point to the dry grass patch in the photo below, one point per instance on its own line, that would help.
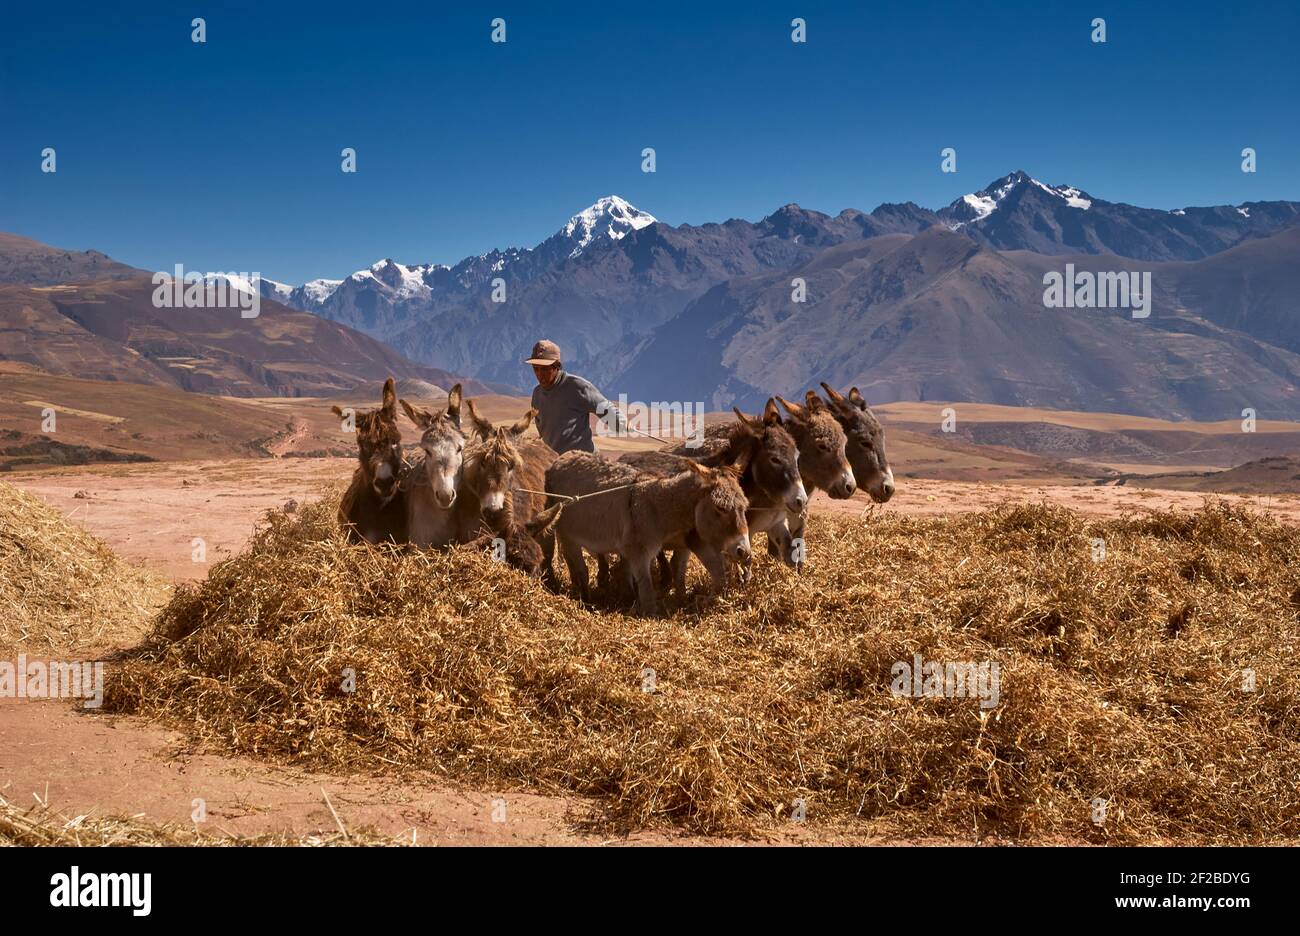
(39, 826)
(61, 589)
(1121, 679)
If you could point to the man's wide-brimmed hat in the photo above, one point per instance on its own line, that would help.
(545, 352)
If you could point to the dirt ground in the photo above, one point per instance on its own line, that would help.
(81, 763)
(97, 765)
(151, 513)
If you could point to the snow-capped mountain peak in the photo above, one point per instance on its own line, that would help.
(400, 281)
(1073, 197)
(979, 205)
(610, 217)
(318, 290)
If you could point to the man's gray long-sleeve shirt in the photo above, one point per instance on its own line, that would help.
(563, 409)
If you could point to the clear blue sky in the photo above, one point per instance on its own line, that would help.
(225, 156)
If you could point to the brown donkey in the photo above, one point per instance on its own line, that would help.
(490, 506)
(373, 509)
(866, 443)
(821, 440)
(431, 485)
(487, 483)
(771, 481)
(519, 542)
(639, 520)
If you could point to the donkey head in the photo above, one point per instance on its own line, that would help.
(821, 441)
(379, 444)
(720, 511)
(444, 446)
(866, 443)
(775, 462)
(492, 460)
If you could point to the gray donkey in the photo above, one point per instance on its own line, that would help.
(823, 463)
(638, 520)
(431, 486)
(866, 442)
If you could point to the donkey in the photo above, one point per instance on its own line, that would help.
(639, 520)
(823, 463)
(373, 509)
(488, 475)
(431, 485)
(491, 507)
(521, 540)
(771, 482)
(822, 459)
(866, 442)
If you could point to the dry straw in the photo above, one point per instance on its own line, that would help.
(61, 589)
(1121, 680)
(40, 825)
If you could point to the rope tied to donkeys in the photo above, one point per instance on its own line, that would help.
(573, 498)
(404, 484)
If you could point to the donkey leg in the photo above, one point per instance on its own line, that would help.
(577, 564)
(647, 600)
(602, 571)
(681, 559)
(666, 574)
(713, 561)
(628, 579)
(549, 579)
(780, 540)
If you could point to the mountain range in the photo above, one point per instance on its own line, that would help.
(906, 302)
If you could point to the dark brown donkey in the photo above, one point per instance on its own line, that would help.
(373, 509)
(866, 443)
(518, 542)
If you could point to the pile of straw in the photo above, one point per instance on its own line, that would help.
(61, 589)
(1122, 679)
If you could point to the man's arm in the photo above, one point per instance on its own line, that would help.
(611, 414)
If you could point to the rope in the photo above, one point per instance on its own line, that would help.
(572, 498)
(628, 428)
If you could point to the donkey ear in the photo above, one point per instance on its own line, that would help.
(541, 524)
(832, 394)
(389, 408)
(483, 426)
(741, 463)
(794, 409)
(525, 421)
(815, 403)
(418, 416)
(453, 404)
(771, 415)
(337, 412)
(696, 468)
(857, 399)
(750, 424)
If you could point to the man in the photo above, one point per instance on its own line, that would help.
(564, 402)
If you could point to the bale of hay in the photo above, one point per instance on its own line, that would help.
(777, 701)
(61, 589)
